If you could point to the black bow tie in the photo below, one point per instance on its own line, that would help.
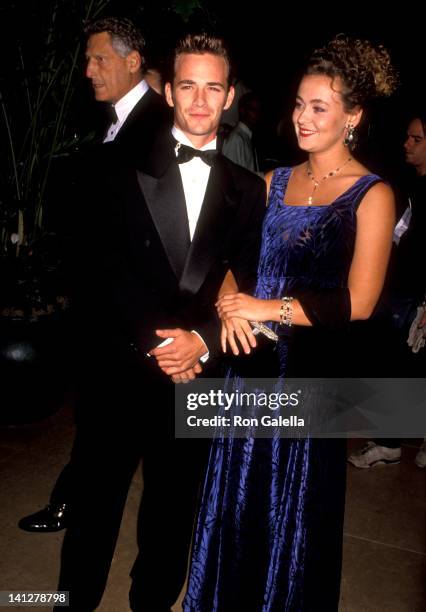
(111, 113)
(185, 154)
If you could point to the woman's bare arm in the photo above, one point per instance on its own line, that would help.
(375, 223)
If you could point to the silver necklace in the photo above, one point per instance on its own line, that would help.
(324, 178)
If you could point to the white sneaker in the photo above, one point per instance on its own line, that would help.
(420, 459)
(372, 454)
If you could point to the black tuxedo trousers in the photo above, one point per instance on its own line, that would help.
(128, 416)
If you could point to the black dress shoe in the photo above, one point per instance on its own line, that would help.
(53, 517)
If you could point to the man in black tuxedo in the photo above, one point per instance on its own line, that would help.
(135, 112)
(116, 67)
(154, 251)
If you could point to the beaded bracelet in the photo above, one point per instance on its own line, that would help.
(264, 329)
(286, 311)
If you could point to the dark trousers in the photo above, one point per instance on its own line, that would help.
(122, 418)
(62, 492)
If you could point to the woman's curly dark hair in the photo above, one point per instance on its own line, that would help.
(365, 71)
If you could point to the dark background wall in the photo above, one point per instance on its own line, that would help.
(269, 42)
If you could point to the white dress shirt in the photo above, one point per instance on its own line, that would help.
(124, 107)
(195, 175)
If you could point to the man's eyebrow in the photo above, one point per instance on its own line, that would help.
(209, 83)
(216, 84)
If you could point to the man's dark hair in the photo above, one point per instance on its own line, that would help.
(203, 43)
(419, 113)
(125, 36)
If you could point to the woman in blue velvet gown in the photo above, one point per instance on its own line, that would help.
(268, 536)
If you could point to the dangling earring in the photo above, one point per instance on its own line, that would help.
(349, 140)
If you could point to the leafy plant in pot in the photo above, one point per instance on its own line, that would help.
(37, 91)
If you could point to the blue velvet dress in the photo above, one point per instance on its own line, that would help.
(268, 536)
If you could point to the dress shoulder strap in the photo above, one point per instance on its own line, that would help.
(360, 188)
(278, 186)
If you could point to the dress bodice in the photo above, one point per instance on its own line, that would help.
(307, 246)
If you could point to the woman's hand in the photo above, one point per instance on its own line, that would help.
(242, 330)
(243, 306)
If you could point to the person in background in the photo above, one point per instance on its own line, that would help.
(230, 115)
(239, 146)
(115, 66)
(403, 307)
(154, 79)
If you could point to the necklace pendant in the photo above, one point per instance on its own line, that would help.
(310, 201)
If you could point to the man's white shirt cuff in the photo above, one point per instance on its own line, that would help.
(204, 357)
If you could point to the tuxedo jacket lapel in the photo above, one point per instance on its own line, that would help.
(161, 185)
(138, 114)
(162, 189)
(208, 237)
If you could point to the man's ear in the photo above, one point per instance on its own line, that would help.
(229, 98)
(168, 94)
(134, 61)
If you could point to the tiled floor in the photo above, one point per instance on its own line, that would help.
(384, 545)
